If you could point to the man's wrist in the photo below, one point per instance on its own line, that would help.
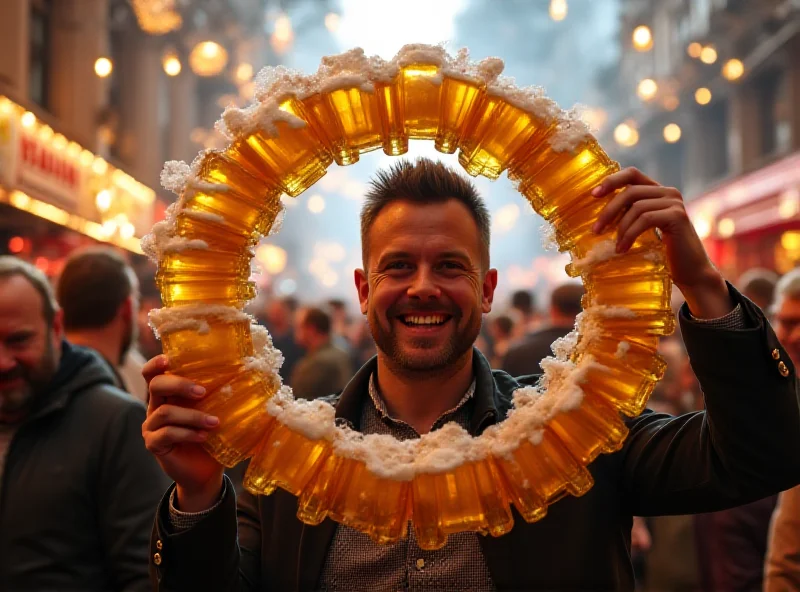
(199, 500)
(709, 299)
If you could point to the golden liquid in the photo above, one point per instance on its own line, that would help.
(185, 266)
(392, 118)
(220, 168)
(497, 133)
(208, 291)
(375, 506)
(647, 293)
(531, 505)
(422, 85)
(295, 156)
(459, 99)
(348, 120)
(643, 328)
(637, 262)
(547, 470)
(223, 346)
(493, 497)
(243, 417)
(592, 428)
(217, 235)
(286, 459)
(315, 499)
(554, 181)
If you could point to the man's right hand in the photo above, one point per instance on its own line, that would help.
(174, 433)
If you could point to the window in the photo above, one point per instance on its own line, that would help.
(39, 51)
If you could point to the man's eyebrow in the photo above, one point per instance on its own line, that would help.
(394, 255)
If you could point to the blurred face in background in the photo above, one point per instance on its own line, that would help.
(30, 348)
(787, 326)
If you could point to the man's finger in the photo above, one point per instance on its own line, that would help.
(646, 221)
(164, 440)
(623, 200)
(154, 366)
(618, 180)
(171, 385)
(167, 415)
(638, 209)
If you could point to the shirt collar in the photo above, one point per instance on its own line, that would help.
(380, 404)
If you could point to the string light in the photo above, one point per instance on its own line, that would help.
(694, 50)
(733, 69)
(626, 134)
(558, 10)
(672, 133)
(172, 65)
(703, 96)
(708, 55)
(103, 67)
(642, 38)
(208, 58)
(647, 89)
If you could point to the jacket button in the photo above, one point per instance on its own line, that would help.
(783, 370)
(159, 544)
(157, 558)
(776, 354)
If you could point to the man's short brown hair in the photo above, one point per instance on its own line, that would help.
(11, 266)
(425, 182)
(318, 319)
(93, 285)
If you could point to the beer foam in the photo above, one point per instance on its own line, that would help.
(258, 117)
(622, 350)
(195, 317)
(571, 132)
(206, 216)
(175, 175)
(600, 252)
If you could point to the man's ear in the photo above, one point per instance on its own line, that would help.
(362, 286)
(488, 288)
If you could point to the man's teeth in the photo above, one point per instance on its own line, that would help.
(429, 320)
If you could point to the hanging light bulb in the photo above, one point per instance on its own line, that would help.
(672, 133)
(642, 38)
(208, 58)
(103, 67)
(733, 69)
(558, 10)
(703, 96)
(708, 55)
(171, 64)
(647, 89)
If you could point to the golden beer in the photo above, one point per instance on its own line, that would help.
(637, 262)
(184, 266)
(496, 134)
(459, 99)
(392, 117)
(285, 459)
(295, 156)
(241, 406)
(553, 181)
(589, 430)
(422, 85)
(645, 293)
(209, 291)
(375, 506)
(219, 168)
(642, 328)
(347, 120)
(216, 234)
(222, 346)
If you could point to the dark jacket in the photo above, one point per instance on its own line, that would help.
(525, 356)
(320, 373)
(79, 487)
(745, 447)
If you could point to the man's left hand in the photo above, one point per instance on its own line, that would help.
(641, 205)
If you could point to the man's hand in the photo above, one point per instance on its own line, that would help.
(174, 433)
(643, 204)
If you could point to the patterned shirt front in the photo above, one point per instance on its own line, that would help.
(355, 562)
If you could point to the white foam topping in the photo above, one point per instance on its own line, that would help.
(195, 317)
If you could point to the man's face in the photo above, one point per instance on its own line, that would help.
(424, 291)
(787, 327)
(29, 349)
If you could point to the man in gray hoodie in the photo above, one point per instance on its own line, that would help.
(77, 486)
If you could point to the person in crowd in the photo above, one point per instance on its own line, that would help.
(278, 320)
(525, 356)
(362, 345)
(523, 312)
(340, 324)
(425, 285)
(78, 485)
(501, 329)
(758, 284)
(325, 366)
(99, 294)
(782, 570)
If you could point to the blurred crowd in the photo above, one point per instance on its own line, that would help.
(324, 343)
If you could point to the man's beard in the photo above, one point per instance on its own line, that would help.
(15, 401)
(436, 358)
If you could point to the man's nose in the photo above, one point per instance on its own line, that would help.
(7, 361)
(424, 285)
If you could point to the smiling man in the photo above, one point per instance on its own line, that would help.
(425, 285)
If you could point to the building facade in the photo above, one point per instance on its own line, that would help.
(709, 101)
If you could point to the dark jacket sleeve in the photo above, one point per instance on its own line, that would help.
(130, 484)
(744, 447)
(216, 554)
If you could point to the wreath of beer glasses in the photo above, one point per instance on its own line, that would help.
(447, 481)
